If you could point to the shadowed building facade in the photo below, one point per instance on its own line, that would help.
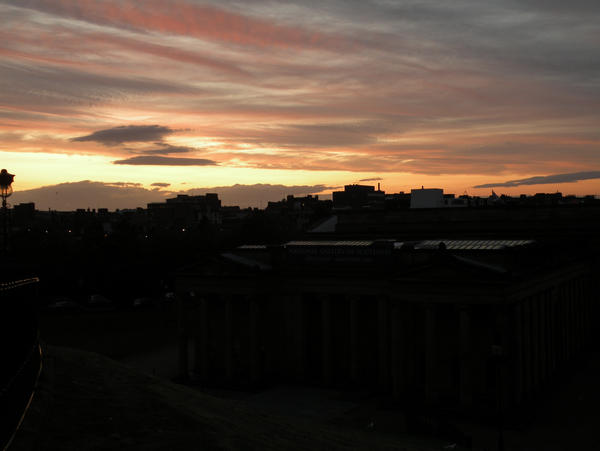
(458, 323)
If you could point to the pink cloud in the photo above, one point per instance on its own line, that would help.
(184, 18)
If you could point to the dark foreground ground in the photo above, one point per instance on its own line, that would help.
(118, 334)
(88, 402)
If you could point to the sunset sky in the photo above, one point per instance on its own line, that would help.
(182, 94)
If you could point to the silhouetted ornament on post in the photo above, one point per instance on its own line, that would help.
(6, 180)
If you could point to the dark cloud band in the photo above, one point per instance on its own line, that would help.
(374, 179)
(164, 149)
(152, 160)
(126, 133)
(545, 179)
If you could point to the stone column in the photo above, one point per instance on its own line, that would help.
(395, 360)
(295, 336)
(562, 302)
(326, 337)
(587, 309)
(579, 311)
(576, 326)
(430, 353)
(464, 356)
(576, 316)
(228, 338)
(182, 338)
(505, 373)
(254, 340)
(535, 335)
(383, 342)
(568, 320)
(543, 337)
(519, 370)
(551, 330)
(354, 339)
(201, 341)
(526, 328)
(273, 327)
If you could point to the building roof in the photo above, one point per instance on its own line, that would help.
(248, 262)
(472, 244)
(354, 243)
(252, 247)
(326, 226)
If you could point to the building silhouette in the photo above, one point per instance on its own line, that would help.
(185, 210)
(462, 324)
(358, 196)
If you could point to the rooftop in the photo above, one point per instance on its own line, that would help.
(472, 244)
(353, 243)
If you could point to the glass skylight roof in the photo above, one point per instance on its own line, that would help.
(472, 244)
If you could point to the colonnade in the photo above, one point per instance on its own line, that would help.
(439, 351)
(550, 328)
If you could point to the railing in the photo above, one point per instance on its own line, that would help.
(7, 286)
(20, 353)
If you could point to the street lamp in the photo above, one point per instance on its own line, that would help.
(6, 190)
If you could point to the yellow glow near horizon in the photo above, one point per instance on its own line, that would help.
(34, 170)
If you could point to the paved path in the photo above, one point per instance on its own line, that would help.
(160, 362)
(568, 419)
(89, 402)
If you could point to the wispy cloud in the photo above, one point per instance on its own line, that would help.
(545, 179)
(182, 17)
(125, 184)
(374, 179)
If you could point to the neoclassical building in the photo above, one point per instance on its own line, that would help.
(455, 323)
